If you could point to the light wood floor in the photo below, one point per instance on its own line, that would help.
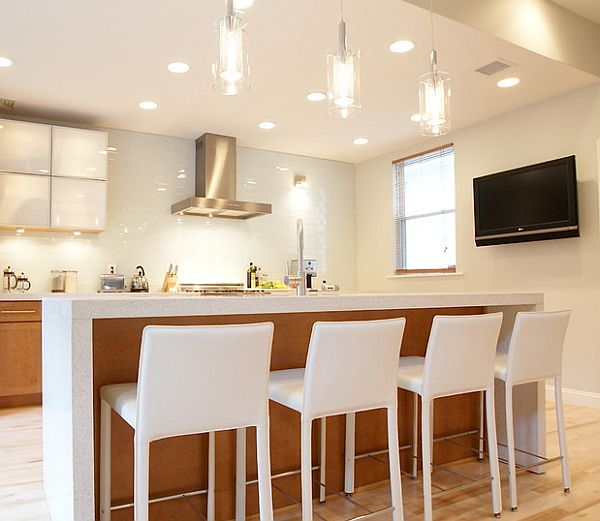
(540, 496)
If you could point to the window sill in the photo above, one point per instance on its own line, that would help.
(423, 275)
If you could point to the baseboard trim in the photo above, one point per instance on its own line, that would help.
(575, 397)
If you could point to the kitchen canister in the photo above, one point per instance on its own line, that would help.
(70, 281)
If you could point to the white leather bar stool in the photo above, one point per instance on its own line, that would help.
(534, 355)
(191, 380)
(459, 360)
(351, 367)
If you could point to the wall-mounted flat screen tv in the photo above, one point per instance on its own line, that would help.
(530, 203)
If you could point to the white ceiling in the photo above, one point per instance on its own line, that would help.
(589, 9)
(91, 61)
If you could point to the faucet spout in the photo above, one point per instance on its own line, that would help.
(301, 273)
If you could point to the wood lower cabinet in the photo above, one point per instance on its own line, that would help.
(20, 353)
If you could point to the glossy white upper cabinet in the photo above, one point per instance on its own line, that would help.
(79, 153)
(78, 204)
(24, 200)
(24, 147)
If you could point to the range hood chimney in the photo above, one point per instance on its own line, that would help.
(216, 183)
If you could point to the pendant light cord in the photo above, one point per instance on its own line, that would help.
(431, 22)
(342, 10)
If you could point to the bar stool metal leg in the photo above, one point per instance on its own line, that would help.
(210, 497)
(264, 472)
(415, 436)
(394, 458)
(240, 474)
(140, 479)
(562, 435)
(493, 450)
(306, 469)
(350, 453)
(481, 424)
(426, 449)
(510, 447)
(105, 459)
(323, 461)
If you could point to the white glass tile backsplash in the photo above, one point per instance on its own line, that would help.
(148, 173)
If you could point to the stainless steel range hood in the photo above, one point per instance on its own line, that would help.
(216, 183)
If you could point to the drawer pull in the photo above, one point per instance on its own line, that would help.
(17, 312)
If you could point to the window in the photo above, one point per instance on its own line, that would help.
(424, 212)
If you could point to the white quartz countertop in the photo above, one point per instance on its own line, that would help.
(124, 305)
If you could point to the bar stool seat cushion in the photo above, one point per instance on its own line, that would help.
(123, 400)
(410, 373)
(501, 366)
(287, 387)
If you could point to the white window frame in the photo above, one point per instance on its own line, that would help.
(399, 254)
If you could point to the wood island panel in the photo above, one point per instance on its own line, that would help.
(179, 464)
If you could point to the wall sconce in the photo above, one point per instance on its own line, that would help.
(300, 180)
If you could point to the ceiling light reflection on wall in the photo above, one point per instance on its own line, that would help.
(230, 73)
(343, 76)
(508, 82)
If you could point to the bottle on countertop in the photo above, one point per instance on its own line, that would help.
(251, 276)
(259, 277)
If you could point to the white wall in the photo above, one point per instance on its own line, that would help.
(141, 229)
(566, 270)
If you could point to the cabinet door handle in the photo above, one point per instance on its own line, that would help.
(17, 312)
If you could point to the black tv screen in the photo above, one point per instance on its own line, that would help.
(531, 203)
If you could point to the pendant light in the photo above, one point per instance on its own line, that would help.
(230, 73)
(434, 95)
(343, 81)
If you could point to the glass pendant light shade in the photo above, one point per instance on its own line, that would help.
(434, 103)
(343, 84)
(343, 79)
(230, 73)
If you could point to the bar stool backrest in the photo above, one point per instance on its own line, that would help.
(460, 354)
(352, 366)
(196, 379)
(536, 346)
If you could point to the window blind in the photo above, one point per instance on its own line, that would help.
(424, 209)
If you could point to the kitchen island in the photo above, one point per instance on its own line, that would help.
(94, 340)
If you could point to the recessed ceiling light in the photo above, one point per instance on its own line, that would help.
(316, 96)
(5, 62)
(266, 125)
(1, 127)
(162, 189)
(508, 82)
(77, 233)
(178, 67)
(416, 118)
(242, 4)
(20, 231)
(361, 141)
(111, 149)
(402, 46)
(148, 105)
(181, 175)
